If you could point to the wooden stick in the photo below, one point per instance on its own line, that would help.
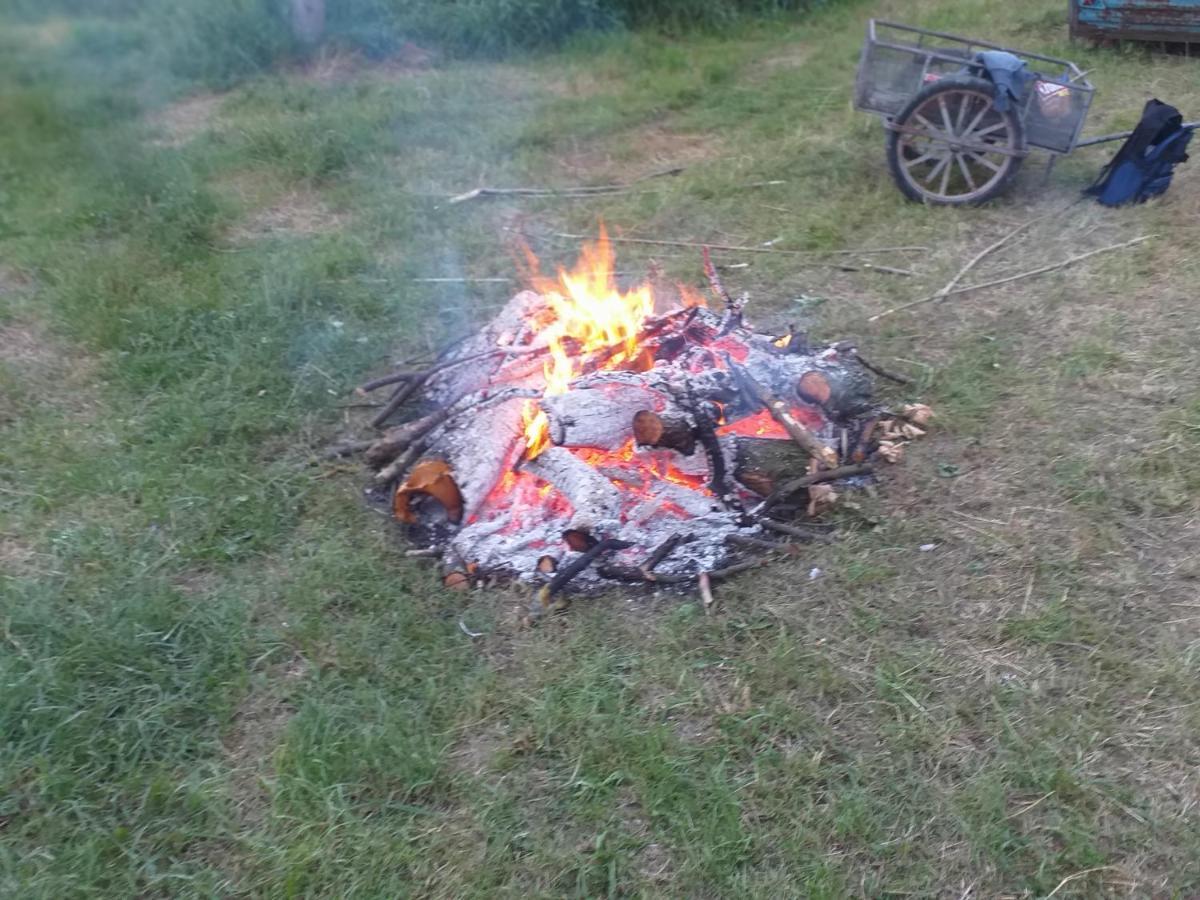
(714, 280)
(871, 267)
(752, 543)
(663, 550)
(577, 190)
(735, 249)
(396, 440)
(704, 583)
(396, 377)
(398, 400)
(635, 575)
(789, 488)
(882, 372)
(398, 466)
(802, 534)
(416, 379)
(782, 414)
(986, 251)
(971, 263)
(577, 566)
(1042, 270)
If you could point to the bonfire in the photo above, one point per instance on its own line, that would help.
(590, 435)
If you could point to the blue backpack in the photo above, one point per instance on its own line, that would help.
(1142, 168)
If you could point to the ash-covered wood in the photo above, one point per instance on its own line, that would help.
(482, 448)
(596, 414)
(597, 501)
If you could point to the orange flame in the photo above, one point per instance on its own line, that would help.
(591, 312)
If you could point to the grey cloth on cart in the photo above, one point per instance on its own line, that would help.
(1007, 72)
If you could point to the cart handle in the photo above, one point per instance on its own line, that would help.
(1105, 138)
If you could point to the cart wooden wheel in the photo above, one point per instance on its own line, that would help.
(950, 145)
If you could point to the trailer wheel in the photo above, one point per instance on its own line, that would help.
(951, 146)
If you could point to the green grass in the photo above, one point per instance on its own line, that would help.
(223, 678)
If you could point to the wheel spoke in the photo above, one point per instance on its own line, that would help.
(934, 132)
(966, 170)
(978, 118)
(983, 160)
(924, 157)
(945, 115)
(933, 173)
(945, 178)
(964, 104)
(989, 129)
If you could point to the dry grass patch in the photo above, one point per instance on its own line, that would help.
(184, 120)
(16, 558)
(254, 735)
(636, 153)
(338, 65)
(299, 213)
(38, 369)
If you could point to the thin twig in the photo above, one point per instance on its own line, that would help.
(882, 372)
(397, 400)
(416, 379)
(735, 249)
(349, 448)
(461, 280)
(376, 383)
(1042, 270)
(577, 190)
(971, 263)
(662, 551)
(1062, 884)
(789, 488)
(801, 534)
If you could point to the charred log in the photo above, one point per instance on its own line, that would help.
(762, 464)
(673, 432)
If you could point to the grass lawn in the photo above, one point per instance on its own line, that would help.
(220, 676)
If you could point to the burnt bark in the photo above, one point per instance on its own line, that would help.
(762, 464)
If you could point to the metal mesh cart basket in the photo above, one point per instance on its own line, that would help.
(948, 142)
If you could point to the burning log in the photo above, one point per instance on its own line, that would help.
(596, 412)
(782, 414)
(597, 501)
(674, 432)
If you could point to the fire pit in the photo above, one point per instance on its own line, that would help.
(589, 435)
